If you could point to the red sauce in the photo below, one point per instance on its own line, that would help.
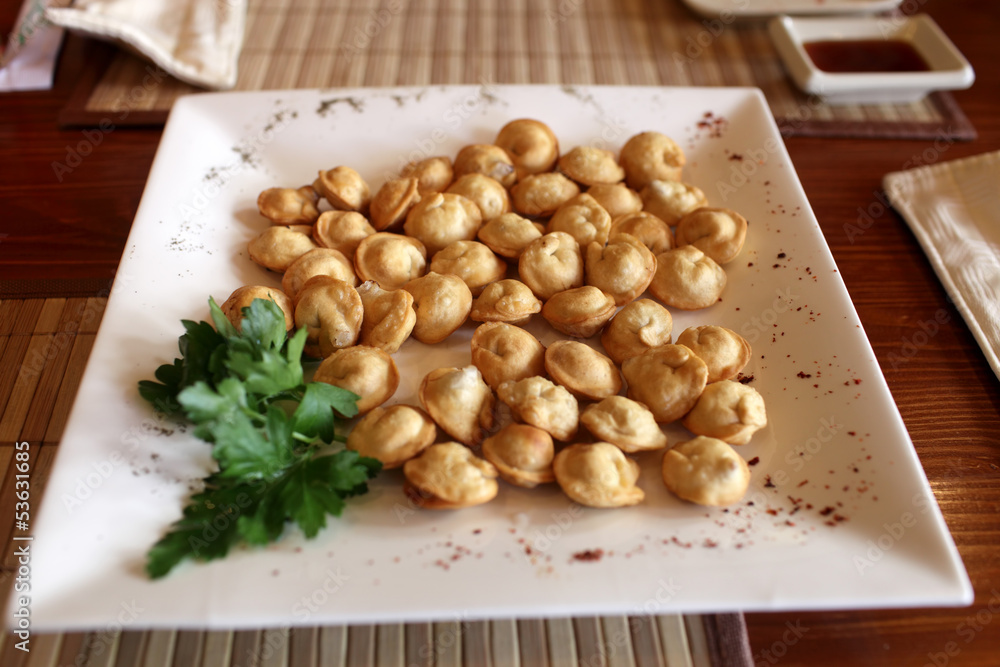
(870, 55)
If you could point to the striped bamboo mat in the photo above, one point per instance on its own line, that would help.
(44, 345)
(316, 44)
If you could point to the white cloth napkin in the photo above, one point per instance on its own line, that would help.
(29, 57)
(197, 41)
(953, 209)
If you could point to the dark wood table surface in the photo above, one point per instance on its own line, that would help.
(74, 229)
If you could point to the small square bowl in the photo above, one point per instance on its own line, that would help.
(947, 67)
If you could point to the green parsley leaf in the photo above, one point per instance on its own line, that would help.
(243, 391)
(314, 417)
(207, 531)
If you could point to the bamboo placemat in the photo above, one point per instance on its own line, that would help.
(44, 345)
(316, 44)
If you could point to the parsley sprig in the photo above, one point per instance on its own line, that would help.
(245, 394)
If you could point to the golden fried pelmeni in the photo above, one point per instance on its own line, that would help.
(487, 193)
(440, 218)
(598, 474)
(441, 302)
(668, 380)
(471, 261)
(579, 312)
(393, 201)
(459, 401)
(317, 262)
(277, 247)
(616, 198)
(503, 352)
(671, 200)
(623, 268)
(724, 351)
(705, 471)
(583, 370)
(641, 325)
(488, 160)
(242, 297)
(506, 300)
(582, 218)
(392, 260)
(367, 371)
(449, 476)
(687, 278)
(542, 403)
(727, 410)
(541, 194)
(509, 234)
(433, 174)
(650, 230)
(393, 434)
(389, 316)
(341, 230)
(651, 156)
(331, 312)
(551, 264)
(627, 424)
(289, 206)
(590, 165)
(344, 188)
(717, 232)
(522, 454)
(531, 145)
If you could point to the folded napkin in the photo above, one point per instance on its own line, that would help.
(953, 209)
(197, 41)
(28, 60)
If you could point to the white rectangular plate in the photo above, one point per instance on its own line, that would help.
(948, 68)
(839, 513)
(756, 8)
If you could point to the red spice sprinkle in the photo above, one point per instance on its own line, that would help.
(477, 531)
(803, 482)
(827, 511)
(736, 156)
(803, 375)
(772, 512)
(744, 379)
(768, 484)
(709, 544)
(781, 255)
(754, 461)
(852, 433)
(857, 381)
(589, 555)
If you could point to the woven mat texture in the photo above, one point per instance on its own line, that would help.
(317, 44)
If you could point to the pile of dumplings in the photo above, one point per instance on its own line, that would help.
(505, 232)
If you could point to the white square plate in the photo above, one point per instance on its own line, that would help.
(839, 513)
(948, 68)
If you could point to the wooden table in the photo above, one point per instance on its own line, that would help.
(68, 233)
